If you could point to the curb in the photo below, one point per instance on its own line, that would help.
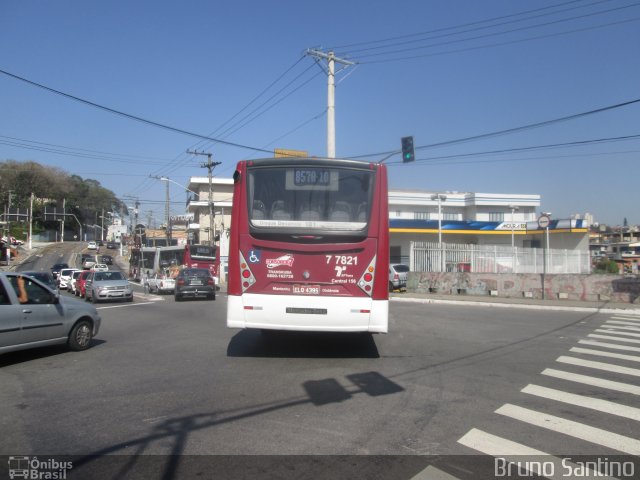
(523, 306)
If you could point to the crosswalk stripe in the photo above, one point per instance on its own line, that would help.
(433, 473)
(582, 401)
(608, 337)
(614, 346)
(621, 327)
(617, 332)
(608, 367)
(621, 356)
(519, 454)
(631, 319)
(581, 431)
(593, 381)
(629, 324)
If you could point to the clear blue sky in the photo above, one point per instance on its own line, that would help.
(194, 65)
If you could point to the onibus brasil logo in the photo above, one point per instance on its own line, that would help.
(33, 468)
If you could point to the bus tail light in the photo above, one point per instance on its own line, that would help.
(368, 277)
(246, 275)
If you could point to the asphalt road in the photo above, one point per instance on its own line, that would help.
(170, 378)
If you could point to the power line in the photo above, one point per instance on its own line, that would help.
(475, 29)
(509, 130)
(129, 116)
(578, 143)
(477, 22)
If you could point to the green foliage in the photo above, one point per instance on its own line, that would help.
(606, 266)
(84, 198)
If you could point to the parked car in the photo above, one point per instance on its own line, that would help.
(88, 261)
(109, 285)
(55, 270)
(74, 280)
(100, 267)
(161, 283)
(44, 277)
(50, 319)
(80, 290)
(64, 278)
(398, 274)
(194, 282)
(92, 246)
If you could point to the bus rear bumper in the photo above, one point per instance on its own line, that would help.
(307, 313)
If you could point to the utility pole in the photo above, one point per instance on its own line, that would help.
(64, 212)
(210, 165)
(331, 59)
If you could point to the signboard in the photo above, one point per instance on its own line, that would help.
(544, 221)
(285, 153)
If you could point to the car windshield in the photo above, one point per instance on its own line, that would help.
(401, 268)
(107, 276)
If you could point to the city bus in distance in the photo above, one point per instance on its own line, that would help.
(194, 256)
(141, 259)
(309, 246)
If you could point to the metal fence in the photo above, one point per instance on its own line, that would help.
(448, 257)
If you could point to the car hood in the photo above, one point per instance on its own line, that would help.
(111, 283)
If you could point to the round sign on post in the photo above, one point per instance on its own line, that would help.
(544, 221)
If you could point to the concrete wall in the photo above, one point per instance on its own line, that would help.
(613, 288)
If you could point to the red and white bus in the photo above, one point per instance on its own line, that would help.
(195, 256)
(309, 246)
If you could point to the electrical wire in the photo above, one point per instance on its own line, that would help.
(128, 115)
(508, 130)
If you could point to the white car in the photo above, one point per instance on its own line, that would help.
(64, 278)
(92, 246)
(161, 283)
(72, 282)
(100, 267)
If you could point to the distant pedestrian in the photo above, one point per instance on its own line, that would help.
(145, 281)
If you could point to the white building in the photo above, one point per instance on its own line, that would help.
(456, 217)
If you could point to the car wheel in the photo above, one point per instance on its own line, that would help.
(177, 297)
(80, 336)
(93, 298)
(130, 299)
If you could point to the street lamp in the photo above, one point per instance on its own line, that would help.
(440, 198)
(514, 208)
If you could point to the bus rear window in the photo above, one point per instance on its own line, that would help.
(309, 197)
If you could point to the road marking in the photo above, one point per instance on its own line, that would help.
(621, 356)
(582, 401)
(608, 337)
(630, 319)
(614, 346)
(593, 381)
(617, 332)
(599, 365)
(520, 455)
(125, 306)
(621, 327)
(433, 473)
(629, 324)
(578, 430)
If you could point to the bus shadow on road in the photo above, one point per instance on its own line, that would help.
(281, 344)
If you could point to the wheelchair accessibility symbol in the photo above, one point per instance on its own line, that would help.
(254, 256)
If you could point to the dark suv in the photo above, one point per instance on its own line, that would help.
(194, 282)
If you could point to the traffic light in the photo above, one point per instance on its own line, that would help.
(408, 154)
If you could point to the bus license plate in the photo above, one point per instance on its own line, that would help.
(307, 289)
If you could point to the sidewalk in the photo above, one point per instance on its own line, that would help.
(524, 303)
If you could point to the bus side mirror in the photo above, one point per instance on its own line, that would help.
(236, 176)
